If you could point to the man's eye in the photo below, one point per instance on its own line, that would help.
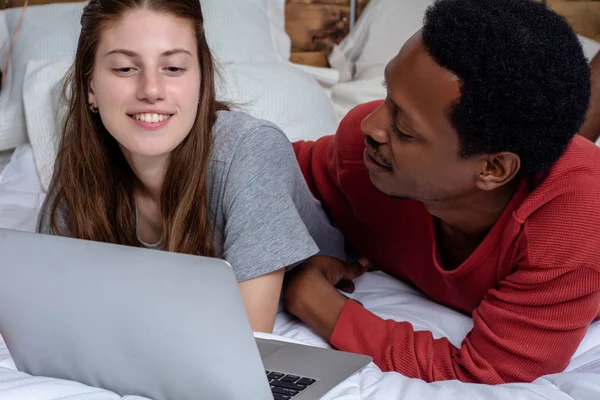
(401, 134)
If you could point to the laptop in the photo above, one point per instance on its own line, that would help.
(147, 322)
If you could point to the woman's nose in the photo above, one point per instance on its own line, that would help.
(151, 87)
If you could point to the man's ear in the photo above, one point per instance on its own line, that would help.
(497, 170)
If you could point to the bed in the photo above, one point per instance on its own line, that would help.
(257, 73)
(21, 195)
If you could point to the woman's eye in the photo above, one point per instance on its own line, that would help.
(124, 70)
(175, 70)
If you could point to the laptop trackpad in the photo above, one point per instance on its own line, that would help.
(268, 347)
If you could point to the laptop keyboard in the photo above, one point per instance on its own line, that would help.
(286, 386)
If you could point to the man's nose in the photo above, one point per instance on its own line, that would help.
(375, 126)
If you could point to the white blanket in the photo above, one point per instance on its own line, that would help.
(20, 199)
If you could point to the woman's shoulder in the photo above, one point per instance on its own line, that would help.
(237, 132)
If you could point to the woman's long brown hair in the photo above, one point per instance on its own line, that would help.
(93, 182)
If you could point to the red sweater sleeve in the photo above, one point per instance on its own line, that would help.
(530, 326)
(304, 150)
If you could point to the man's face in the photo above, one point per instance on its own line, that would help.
(412, 150)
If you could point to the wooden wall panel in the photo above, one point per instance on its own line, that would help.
(583, 15)
(315, 26)
(19, 3)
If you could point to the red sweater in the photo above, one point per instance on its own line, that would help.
(532, 286)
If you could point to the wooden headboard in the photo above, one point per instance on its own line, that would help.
(314, 26)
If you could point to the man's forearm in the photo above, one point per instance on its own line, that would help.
(315, 301)
(591, 126)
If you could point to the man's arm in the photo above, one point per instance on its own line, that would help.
(591, 126)
(529, 327)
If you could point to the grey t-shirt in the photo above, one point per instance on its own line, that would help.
(265, 217)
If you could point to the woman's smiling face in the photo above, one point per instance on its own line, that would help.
(146, 82)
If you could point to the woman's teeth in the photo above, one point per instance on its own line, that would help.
(146, 117)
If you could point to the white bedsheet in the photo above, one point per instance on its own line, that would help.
(20, 199)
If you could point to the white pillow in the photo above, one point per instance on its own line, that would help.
(282, 41)
(4, 40)
(590, 47)
(5, 142)
(383, 27)
(4, 159)
(47, 31)
(286, 96)
(381, 31)
(237, 31)
(44, 110)
(277, 92)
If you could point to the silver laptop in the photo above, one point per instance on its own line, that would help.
(147, 322)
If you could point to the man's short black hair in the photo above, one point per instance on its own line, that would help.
(525, 82)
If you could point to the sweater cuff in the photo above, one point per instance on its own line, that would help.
(358, 330)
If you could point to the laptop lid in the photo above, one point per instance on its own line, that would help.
(131, 320)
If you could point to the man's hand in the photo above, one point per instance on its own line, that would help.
(310, 291)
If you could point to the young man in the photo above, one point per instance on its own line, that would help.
(468, 182)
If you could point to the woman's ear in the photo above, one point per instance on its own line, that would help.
(91, 94)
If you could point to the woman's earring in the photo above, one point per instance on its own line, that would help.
(93, 108)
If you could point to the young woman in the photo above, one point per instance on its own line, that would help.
(148, 156)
